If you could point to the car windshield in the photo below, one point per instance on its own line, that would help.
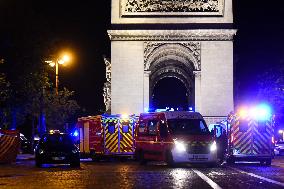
(57, 139)
(188, 127)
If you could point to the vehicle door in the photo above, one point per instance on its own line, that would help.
(163, 137)
(241, 137)
(126, 141)
(262, 135)
(141, 139)
(111, 138)
(153, 144)
(96, 135)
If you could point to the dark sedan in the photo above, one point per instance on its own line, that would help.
(57, 148)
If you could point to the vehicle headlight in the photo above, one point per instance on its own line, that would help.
(40, 151)
(213, 146)
(180, 146)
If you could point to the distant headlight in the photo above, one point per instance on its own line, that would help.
(213, 146)
(40, 151)
(180, 146)
(75, 151)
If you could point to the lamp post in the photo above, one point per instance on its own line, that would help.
(56, 62)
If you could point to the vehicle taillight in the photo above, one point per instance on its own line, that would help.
(232, 138)
(272, 140)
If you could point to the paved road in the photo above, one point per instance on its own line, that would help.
(129, 174)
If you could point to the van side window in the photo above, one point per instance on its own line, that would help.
(125, 127)
(111, 127)
(152, 125)
(243, 126)
(202, 126)
(142, 128)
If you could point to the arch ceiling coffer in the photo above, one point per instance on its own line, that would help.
(187, 53)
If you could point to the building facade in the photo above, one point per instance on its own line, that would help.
(190, 40)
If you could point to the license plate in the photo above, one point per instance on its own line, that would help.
(197, 157)
(58, 158)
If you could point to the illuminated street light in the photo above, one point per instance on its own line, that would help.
(56, 62)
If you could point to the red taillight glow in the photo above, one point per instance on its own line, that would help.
(272, 140)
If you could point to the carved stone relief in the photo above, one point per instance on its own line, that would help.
(171, 7)
(185, 52)
(172, 35)
(107, 85)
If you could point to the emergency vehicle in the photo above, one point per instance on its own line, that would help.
(174, 137)
(9, 145)
(251, 135)
(106, 135)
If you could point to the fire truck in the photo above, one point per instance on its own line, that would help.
(251, 135)
(106, 135)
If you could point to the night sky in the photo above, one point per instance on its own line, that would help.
(82, 25)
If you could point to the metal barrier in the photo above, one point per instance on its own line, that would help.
(214, 119)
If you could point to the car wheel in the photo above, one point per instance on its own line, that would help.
(75, 164)
(231, 160)
(142, 159)
(38, 163)
(268, 162)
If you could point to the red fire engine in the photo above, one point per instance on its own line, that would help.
(174, 137)
(251, 135)
(106, 135)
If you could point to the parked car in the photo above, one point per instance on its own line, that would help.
(25, 145)
(57, 148)
(279, 148)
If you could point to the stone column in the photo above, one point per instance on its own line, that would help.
(146, 90)
(197, 80)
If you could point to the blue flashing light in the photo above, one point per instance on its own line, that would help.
(161, 110)
(76, 133)
(146, 110)
(263, 112)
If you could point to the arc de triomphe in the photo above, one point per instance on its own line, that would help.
(190, 40)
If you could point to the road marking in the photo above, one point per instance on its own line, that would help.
(260, 177)
(207, 179)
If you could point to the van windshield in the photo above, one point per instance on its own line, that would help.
(188, 127)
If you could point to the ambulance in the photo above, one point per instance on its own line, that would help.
(106, 135)
(251, 135)
(174, 137)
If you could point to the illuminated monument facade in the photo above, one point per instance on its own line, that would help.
(189, 40)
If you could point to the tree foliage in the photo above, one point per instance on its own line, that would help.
(60, 109)
(271, 88)
(4, 97)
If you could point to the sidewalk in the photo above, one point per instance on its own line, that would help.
(21, 157)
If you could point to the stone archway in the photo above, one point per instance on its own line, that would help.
(165, 60)
(176, 98)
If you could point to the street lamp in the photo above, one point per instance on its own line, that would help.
(62, 60)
